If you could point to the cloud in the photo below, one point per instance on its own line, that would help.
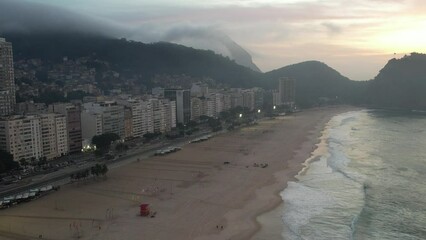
(332, 29)
(196, 36)
(277, 31)
(35, 17)
(26, 17)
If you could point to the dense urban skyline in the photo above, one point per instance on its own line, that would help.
(355, 37)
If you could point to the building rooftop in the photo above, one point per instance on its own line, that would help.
(17, 117)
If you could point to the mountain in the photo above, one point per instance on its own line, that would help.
(240, 55)
(50, 33)
(400, 84)
(33, 17)
(210, 39)
(133, 58)
(315, 80)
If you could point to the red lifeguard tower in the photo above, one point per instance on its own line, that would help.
(144, 209)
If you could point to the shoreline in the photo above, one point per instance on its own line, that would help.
(281, 178)
(305, 155)
(194, 193)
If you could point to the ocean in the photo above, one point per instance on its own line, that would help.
(366, 180)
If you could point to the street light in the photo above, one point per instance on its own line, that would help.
(275, 107)
(258, 110)
(241, 115)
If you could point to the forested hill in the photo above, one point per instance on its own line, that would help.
(400, 84)
(316, 80)
(130, 57)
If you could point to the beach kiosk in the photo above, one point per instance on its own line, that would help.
(144, 209)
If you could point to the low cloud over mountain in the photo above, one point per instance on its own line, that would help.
(27, 17)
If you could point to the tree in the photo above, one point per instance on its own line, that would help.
(50, 96)
(204, 118)
(33, 161)
(192, 124)
(99, 169)
(104, 169)
(86, 173)
(93, 171)
(23, 162)
(121, 147)
(6, 162)
(76, 95)
(42, 76)
(42, 161)
(149, 136)
(215, 124)
(225, 115)
(103, 141)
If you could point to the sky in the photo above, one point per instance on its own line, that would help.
(355, 37)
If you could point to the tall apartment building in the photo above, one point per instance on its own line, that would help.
(109, 113)
(210, 107)
(214, 103)
(7, 79)
(128, 124)
(287, 90)
(183, 103)
(276, 98)
(248, 99)
(34, 136)
(197, 108)
(236, 99)
(91, 125)
(227, 102)
(199, 90)
(271, 98)
(258, 97)
(30, 107)
(54, 135)
(142, 117)
(73, 115)
(21, 137)
(219, 103)
(164, 114)
(158, 92)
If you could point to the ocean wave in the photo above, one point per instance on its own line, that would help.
(326, 201)
(365, 180)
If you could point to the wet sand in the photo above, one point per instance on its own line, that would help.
(194, 194)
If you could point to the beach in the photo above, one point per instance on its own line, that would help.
(214, 189)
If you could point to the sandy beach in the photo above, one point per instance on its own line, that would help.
(194, 194)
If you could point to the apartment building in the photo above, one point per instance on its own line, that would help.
(287, 90)
(7, 79)
(164, 114)
(110, 113)
(73, 116)
(54, 135)
(183, 103)
(21, 136)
